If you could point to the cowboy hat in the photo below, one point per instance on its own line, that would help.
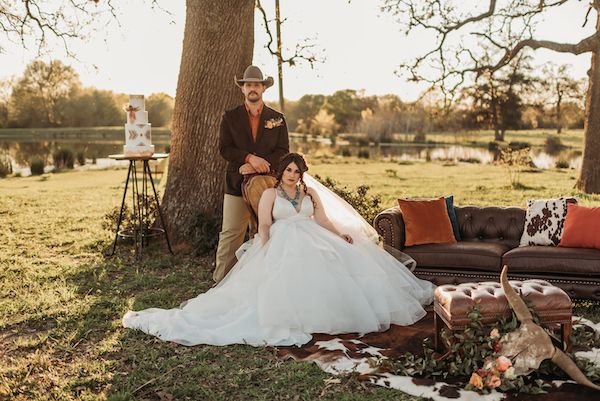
(253, 74)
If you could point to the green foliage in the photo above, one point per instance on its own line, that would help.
(40, 96)
(300, 114)
(474, 348)
(160, 109)
(129, 221)
(204, 233)
(37, 166)
(63, 158)
(368, 206)
(5, 165)
(346, 152)
(347, 105)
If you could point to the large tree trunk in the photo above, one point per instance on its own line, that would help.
(217, 44)
(589, 176)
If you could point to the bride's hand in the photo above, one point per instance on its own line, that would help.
(347, 238)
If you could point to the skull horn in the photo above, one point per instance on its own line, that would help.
(569, 367)
(514, 300)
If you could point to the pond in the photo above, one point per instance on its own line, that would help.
(95, 149)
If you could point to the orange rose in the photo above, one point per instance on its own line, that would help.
(493, 381)
(476, 381)
(503, 363)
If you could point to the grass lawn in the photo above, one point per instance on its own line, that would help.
(61, 301)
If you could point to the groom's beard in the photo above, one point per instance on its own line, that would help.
(253, 97)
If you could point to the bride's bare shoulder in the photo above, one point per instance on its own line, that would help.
(268, 193)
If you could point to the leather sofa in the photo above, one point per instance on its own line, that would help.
(490, 238)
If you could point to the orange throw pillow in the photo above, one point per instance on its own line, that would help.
(426, 222)
(582, 227)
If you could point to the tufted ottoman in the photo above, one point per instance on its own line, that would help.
(452, 304)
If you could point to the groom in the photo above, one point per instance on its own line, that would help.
(253, 138)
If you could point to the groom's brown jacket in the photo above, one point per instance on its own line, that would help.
(236, 142)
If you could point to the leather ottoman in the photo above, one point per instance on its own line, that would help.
(452, 304)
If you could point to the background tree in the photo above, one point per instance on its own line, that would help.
(305, 49)
(384, 120)
(39, 97)
(324, 124)
(306, 109)
(346, 106)
(508, 27)
(5, 90)
(160, 107)
(223, 34)
(559, 86)
(497, 97)
(93, 107)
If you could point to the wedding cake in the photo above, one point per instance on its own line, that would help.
(138, 132)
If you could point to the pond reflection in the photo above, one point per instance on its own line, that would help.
(95, 151)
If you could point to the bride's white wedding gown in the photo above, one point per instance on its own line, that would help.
(304, 280)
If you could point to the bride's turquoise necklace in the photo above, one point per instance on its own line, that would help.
(294, 201)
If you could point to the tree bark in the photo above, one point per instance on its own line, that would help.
(217, 44)
(589, 176)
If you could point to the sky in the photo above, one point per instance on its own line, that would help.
(362, 48)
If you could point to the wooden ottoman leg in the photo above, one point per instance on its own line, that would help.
(437, 339)
(565, 333)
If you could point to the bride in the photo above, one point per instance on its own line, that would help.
(311, 269)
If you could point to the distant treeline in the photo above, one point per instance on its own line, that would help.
(381, 116)
(51, 95)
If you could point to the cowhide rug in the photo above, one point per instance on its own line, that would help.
(347, 353)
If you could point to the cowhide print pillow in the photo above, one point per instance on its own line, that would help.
(544, 221)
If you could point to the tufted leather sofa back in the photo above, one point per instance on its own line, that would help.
(491, 224)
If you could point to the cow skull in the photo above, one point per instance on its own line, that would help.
(529, 345)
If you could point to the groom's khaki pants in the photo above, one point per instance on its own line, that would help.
(235, 224)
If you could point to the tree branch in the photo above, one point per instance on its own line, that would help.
(303, 49)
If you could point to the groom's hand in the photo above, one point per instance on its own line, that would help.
(246, 169)
(259, 164)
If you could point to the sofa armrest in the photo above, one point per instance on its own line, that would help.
(390, 225)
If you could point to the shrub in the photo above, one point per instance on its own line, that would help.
(553, 144)
(514, 161)
(81, 158)
(518, 145)
(562, 163)
(363, 153)
(420, 138)
(493, 146)
(346, 152)
(368, 206)
(204, 233)
(5, 165)
(63, 158)
(168, 148)
(37, 166)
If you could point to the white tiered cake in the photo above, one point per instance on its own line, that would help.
(138, 132)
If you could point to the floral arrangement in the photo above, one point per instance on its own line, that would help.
(474, 360)
(273, 122)
(131, 110)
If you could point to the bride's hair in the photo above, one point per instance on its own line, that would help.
(285, 161)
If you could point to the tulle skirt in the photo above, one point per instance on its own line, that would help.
(304, 280)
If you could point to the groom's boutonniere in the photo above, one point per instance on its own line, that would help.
(273, 122)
